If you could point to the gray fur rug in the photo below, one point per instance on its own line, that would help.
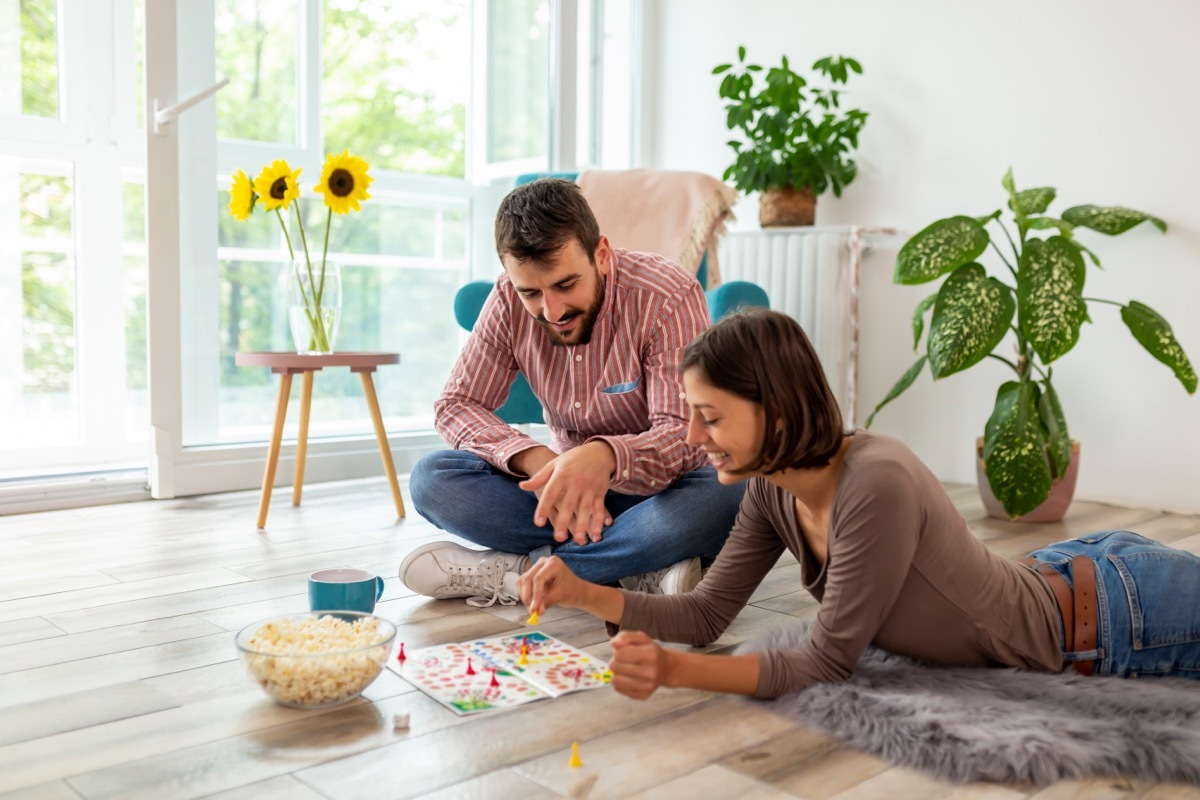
(1002, 725)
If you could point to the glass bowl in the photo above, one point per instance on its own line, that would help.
(316, 660)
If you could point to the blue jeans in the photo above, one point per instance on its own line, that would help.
(461, 493)
(1148, 603)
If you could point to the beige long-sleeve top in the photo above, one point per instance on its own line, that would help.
(902, 573)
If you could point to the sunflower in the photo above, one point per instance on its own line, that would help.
(344, 182)
(277, 186)
(241, 196)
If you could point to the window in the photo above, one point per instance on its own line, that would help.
(120, 344)
(72, 272)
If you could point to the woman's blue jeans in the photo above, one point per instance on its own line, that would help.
(1148, 603)
(461, 493)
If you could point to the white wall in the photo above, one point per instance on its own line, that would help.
(1100, 99)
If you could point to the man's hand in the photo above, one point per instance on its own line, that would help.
(639, 665)
(571, 490)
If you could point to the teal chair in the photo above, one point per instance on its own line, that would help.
(522, 405)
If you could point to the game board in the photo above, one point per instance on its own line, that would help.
(496, 679)
(551, 665)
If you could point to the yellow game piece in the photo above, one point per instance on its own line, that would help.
(532, 619)
(575, 762)
(524, 653)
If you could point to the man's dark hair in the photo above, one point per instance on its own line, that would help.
(535, 220)
(765, 357)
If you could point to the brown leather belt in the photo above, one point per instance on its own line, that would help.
(1078, 607)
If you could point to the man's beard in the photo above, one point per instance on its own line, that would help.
(587, 321)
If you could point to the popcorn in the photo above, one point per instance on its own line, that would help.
(316, 661)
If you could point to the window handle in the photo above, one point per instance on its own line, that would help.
(163, 116)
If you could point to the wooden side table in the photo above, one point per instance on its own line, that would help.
(288, 364)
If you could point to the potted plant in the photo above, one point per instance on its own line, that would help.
(1026, 448)
(796, 141)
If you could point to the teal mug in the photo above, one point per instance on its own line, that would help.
(344, 590)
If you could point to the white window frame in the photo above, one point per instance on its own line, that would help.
(95, 86)
(173, 252)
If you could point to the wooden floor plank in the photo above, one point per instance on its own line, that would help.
(119, 678)
(29, 629)
(713, 783)
(699, 735)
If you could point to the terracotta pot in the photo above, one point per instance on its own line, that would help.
(1055, 506)
(786, 207)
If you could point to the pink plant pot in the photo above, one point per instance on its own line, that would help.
(1055, 506)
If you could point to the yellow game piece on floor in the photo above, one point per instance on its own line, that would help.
(532, 619)
(575, 762)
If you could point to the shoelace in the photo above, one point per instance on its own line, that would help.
(648, 582)
(487, 579)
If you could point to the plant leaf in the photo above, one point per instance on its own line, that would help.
(1112, 220)
(985, 220)
(1007, 182)
(1014, 450)
(918, 322)
(906, 380)
(1050, 296)
(1046, 223)
(1155, 334)
(717, 70)
(1058, 440)
(972, 314)
(1032, 201)
(942, 247)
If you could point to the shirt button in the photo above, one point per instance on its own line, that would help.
(683, 396)
(579, 358)
(458, 381)
(579, 405)
(625, 474)
(653, 483)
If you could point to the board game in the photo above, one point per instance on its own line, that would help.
(489, 674)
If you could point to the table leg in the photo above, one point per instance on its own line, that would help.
(381, 436)
(302, 442)
(285, 389)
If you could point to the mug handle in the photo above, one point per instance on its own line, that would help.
(378, 588)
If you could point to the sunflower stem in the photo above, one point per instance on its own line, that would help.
(320, 341)
(325, 252)
(286, 238)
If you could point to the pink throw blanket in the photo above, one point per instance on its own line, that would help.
(678, 215)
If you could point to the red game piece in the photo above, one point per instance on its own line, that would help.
(495, 683)
(401, 656)
(470, 669)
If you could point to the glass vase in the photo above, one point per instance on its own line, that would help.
(314, 306)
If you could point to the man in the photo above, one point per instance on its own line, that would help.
(618, 495)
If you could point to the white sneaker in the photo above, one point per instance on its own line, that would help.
(679, 578)
(445, 570)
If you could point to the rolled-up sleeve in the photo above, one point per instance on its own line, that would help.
(478, 385)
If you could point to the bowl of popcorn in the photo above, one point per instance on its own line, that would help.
(319, 659)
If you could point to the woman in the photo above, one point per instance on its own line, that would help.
(881, 547)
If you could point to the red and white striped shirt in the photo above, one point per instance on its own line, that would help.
(621, 387)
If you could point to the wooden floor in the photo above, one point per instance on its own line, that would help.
(119, 677)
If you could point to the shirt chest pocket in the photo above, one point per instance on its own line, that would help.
(624, 387)
(623, 404)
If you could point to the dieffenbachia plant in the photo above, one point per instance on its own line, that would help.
(1026, 446)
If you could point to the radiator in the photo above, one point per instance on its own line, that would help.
(812, 275)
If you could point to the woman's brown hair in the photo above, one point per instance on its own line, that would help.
(765, 357)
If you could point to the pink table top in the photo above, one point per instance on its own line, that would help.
(302, 362)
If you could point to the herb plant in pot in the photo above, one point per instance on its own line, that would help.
(1026, 447)
(796, 139)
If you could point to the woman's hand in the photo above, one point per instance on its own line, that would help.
(639, 664)
(550, 582)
